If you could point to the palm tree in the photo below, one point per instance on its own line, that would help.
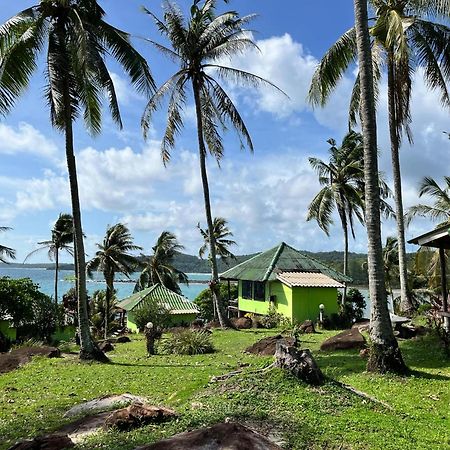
(62, 237)
(440, 210)
(77, 41)
(406, 36)
(221, 234)
(113, 257)
(385, 354)
(390, 259)
(198, 45)
(6, 252)
(341, 178)
(159, 268)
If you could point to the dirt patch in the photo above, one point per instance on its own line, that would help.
(20, 356)
(267, 346)
(346, 340)
(229, 436)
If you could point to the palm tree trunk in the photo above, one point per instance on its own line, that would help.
(88, 350)
(212, 241)
(109, 278)
(56, 275)
(384, 353)
(345, 230)
(405, 302)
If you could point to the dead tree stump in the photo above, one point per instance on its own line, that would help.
(299, 362)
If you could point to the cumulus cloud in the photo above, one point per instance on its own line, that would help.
(125, 92)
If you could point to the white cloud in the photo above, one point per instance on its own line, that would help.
(125, 92)
(26, 139)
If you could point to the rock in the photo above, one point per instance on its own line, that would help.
(299, 362)
(50, 442)
(103, 404)
(20, 356)
(364, 325)
(223, 436)
(106, 347)
(123, 339)
(242, 323)
(78, 430)
(198, 323)
(347, 339)
(137, 415)
(267, 346)
(307, 327)
(364, 353)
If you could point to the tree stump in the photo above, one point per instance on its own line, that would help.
(299, 362)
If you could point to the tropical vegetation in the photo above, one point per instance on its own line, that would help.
(113, 256)
(62, 237)
(222, 235)
(198, 43)
(159, 267)
(6, 252)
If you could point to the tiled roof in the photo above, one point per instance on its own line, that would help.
(282, 258)
(175, 303)
(308, 279)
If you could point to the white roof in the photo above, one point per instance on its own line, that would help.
(308, 279)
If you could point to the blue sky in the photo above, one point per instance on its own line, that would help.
(264, 196)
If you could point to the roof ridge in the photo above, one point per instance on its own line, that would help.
(275, 258)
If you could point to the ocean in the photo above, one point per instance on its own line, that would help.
(46, 280)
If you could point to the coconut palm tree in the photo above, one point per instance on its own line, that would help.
(62, 237)
(75, 40)
(198, 45)
(390, 259)
(113, 256)
(6, 252)
(221, 235)
(407, 36)
(440, 209)
(385, 354)
(159, 268)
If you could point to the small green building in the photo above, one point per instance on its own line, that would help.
(182, 311)
(293, 283)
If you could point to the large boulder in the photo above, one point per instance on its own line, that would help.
(123, 339)
(223, 436)
(267, 346)
(106, 346)
(242, 323)
(307, 327)
(50, 442)
(137, 415)
(299, 362)
(346, 340)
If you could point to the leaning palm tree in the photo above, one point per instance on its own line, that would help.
(62, 237)
(199, 44)
(76, 41)
(385, 354)
(407, 36)
(113, 256)
(6, 252)
(221, 234)
(159, 267)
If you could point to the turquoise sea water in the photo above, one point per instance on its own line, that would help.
(46, 279)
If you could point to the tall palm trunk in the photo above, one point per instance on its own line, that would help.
(385, 354)
(88, 350)
(344, 224)
(109, 278)
(405, 302)
(209, 221)
(56, 275)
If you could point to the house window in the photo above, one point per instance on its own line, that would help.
(247, 289)
(259, 290)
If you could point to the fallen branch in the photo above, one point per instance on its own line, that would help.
(217, 378)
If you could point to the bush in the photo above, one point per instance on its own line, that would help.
(274, 319)
(187, 342)
(152, 311)
(204, 300)
(98, 311)
(352, 311)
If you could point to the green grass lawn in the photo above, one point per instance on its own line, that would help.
(34, 398)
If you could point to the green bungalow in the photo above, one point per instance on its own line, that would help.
(182, 311)
(293, 283)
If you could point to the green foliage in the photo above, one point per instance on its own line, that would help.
(205, 303)
(273, 319)
(352, 311)
(187, 342)
(98, 311)
(6, 252)
(152, 311)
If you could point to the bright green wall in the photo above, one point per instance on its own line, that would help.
(175, 319)
(306, 302)
(283, 300)
(8, 331)
(252, 306)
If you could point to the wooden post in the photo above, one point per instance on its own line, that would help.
(229, 298)
(443, 279)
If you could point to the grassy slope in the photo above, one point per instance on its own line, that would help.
(34, 397)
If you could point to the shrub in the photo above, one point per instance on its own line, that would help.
(204, 300)
(352, 311)
(274, 319)
(152, 311)
(187, 342)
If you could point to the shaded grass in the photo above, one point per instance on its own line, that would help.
(35, 397)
